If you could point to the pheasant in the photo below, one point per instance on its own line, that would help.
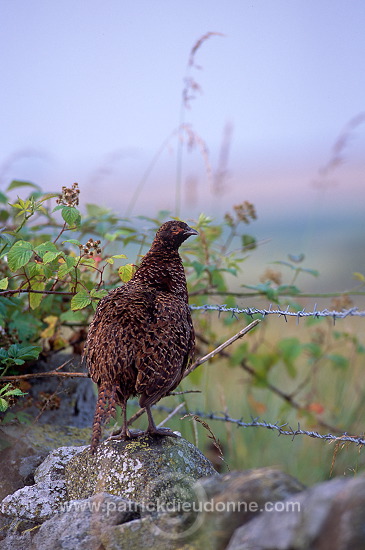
(141, 339)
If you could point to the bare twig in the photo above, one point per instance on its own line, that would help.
(220, 348)
(54, 372)
(172, 413)
(28, 290)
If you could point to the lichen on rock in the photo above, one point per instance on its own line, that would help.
(132, 468)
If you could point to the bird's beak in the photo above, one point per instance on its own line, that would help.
(190, 231)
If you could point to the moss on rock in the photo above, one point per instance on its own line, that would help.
(135, 469)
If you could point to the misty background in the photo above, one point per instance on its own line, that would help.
(91, 92)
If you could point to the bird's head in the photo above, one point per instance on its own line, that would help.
(174, 233)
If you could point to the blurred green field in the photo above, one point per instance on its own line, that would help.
(228, 389)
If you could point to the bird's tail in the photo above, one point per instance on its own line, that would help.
(105, 408)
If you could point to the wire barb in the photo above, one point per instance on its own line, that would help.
(280, 428)
(250, 311)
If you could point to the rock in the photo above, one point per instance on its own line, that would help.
(137, 469)
(235, 498)
(143, 535)
(40, 501)
(328, 516)
(205, 519)
(25, 446)
(83, 522)
(77, 401)
(53, 467)
(35, 502)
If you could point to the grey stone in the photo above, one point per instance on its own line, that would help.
(328, 516)
(35, 502)
(83, 522)
(135, 469)
(53, 467)
(40, 501)
(233, 499)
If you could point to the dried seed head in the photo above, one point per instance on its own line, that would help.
(69, 196)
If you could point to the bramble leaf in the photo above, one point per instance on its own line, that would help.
(80, 300)
(71, 215)
(126, 272)
(19, 255)
(4, 283)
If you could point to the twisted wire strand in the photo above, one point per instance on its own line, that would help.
(250, 311)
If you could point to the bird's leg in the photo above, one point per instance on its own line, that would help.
(124, 433)
(152, 428)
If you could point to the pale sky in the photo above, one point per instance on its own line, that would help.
(90, 90)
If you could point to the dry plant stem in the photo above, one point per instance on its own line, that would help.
(220, 348)
(54, 372)
(210, 355)
(43, 374)
(172, 413)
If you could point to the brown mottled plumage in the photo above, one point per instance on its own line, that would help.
(141, 338)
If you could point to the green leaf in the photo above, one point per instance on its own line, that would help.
(238, 354)
(80, 300)
(199, 268)
(3, 198)
(98, 293)
(71, 215)
(96, 211)
(313, 272)
(72, 241)
(359, 276)
(290, 349)
(288, 290)
(8, 240)
(338, 360)
(15, 391)
(90, 262)
(15, 184)
(66, 267)
(19, 255)
(72, 317)
(31, 352)
(25, 324)
(50, 256)
(45, 247)
(24, 352)
(36, 298)
(248, 242)
(4, 283)
(126, 272)
(3, 405)
(314, 349)
(265, 288)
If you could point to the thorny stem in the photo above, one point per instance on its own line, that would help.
(220, 348)
(60, 233)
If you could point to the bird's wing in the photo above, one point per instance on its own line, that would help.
(166, 349)
(119, 324)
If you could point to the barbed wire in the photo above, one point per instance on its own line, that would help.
(280, 428)
(250, 311)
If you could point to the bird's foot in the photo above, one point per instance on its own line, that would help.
(124, 435)
(160, 431)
